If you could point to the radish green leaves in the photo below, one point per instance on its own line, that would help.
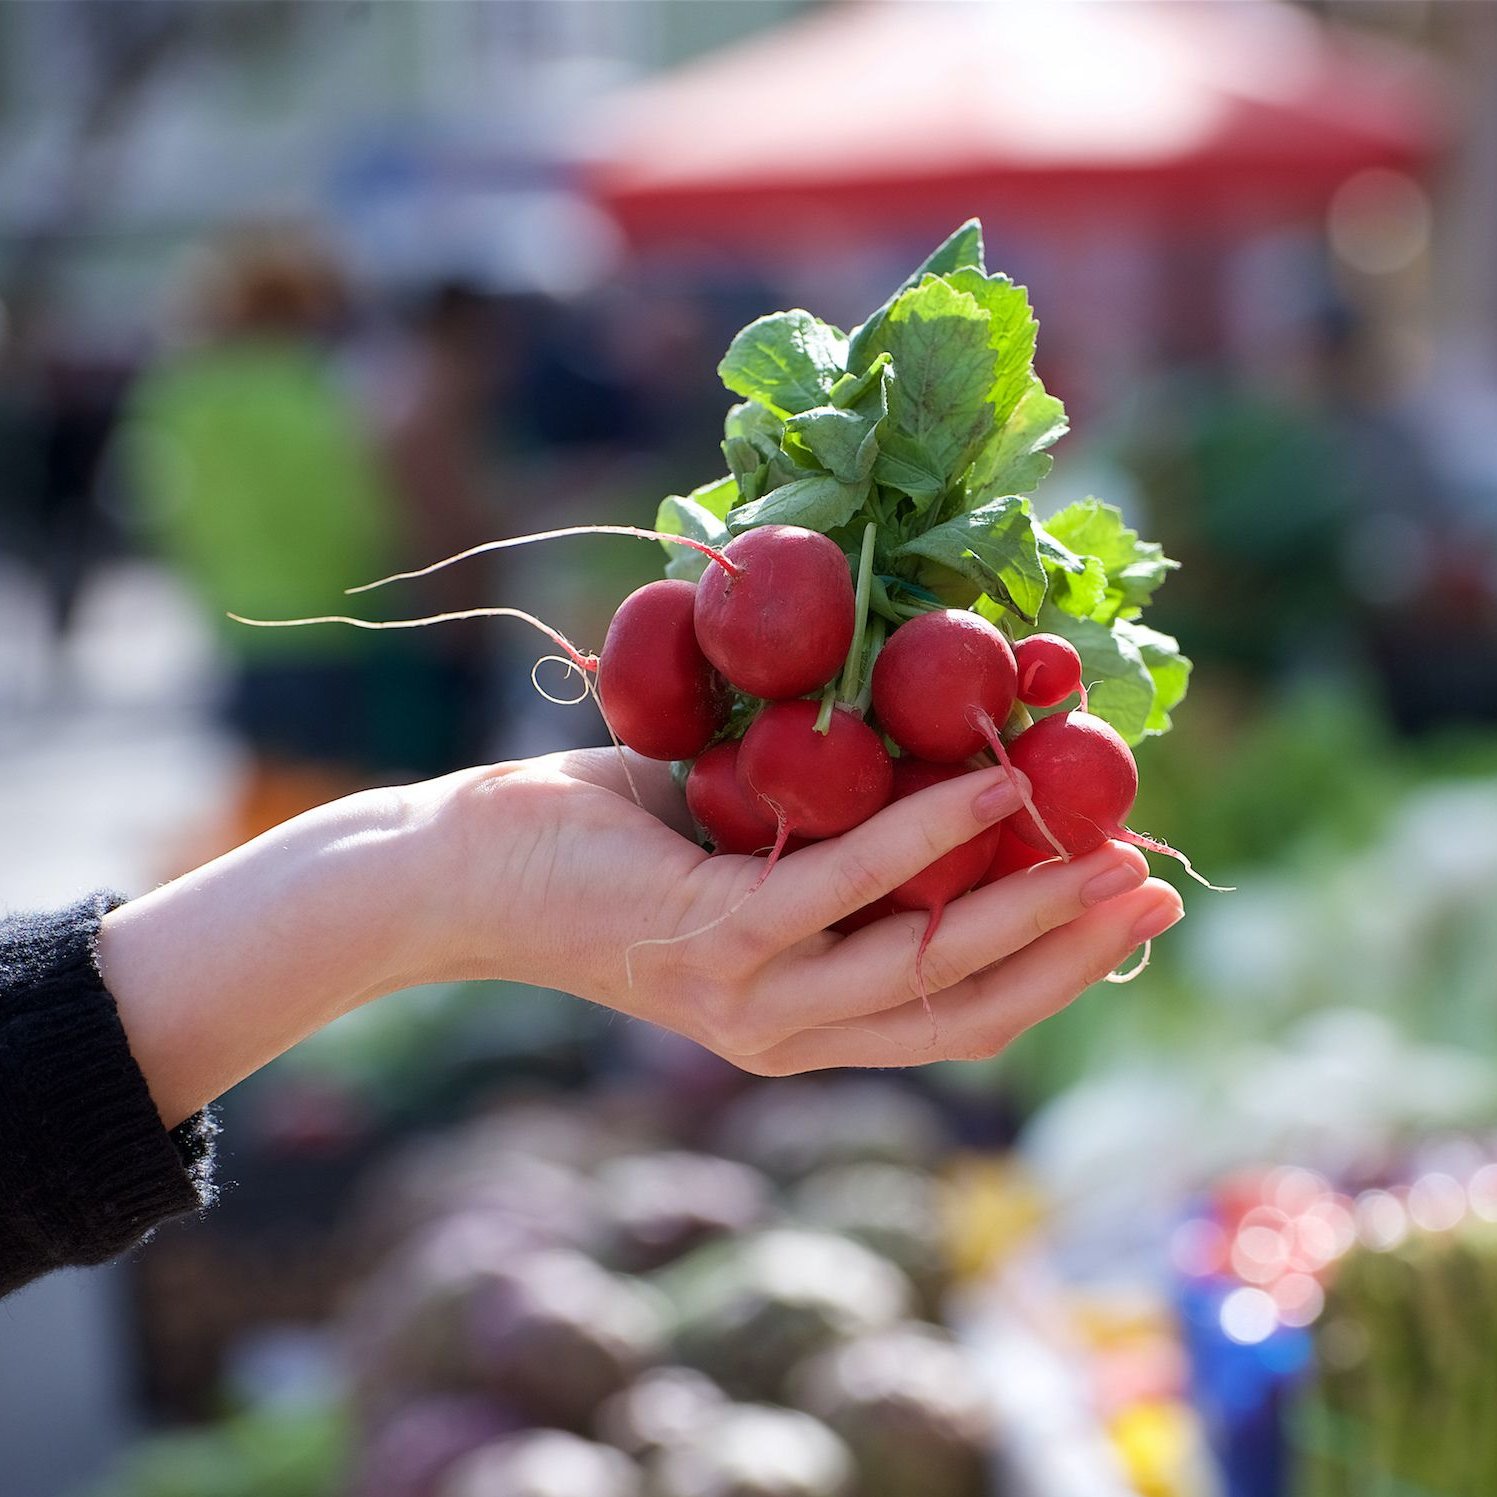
(930, 422)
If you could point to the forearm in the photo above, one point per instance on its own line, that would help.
(227, 967)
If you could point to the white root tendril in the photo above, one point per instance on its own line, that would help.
(547, 535)
(618, 748)
(985, 725)
(571, 667)
(1137, 970)
(1153, 844)
(774, 856)
(581, 661)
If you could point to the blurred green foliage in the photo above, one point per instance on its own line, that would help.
(274, 1451)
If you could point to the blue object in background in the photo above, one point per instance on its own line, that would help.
(1241, 1389)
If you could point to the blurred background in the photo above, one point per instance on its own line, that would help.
(389, 279)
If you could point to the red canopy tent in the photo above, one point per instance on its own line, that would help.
(1229, 115)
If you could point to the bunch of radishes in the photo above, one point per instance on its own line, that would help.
(761, 677)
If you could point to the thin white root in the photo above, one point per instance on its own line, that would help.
(733, 909)
(571, 666)
(985, 725)
(546, 535)
(581, 661)
(1137, 970)
(1153, 844)
(618, 748)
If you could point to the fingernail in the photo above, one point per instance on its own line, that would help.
(1156, 922)
(1118, 879)
(999, 800)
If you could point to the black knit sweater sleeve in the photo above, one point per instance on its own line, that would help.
(86, 1167)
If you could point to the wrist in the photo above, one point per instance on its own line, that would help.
(471, 840)
(230, 965)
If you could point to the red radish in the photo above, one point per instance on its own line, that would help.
(934, 674)
(1082, 783)
(733, 820)
(658, 692)
(955, 872)
(1049, 670)
(1082, 778)
(952, 874)
(819, 784)
(783, 625)
(1013, 855)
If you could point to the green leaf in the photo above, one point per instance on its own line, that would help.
(958, 251)
(717, 497)
(1078, 584)
(1011, 335)
(851, 388)
(818, 502)
(1169, 668)
(788, 361)
(751, 439)
(942, 374)
(1015, 460)
(1134, 568)
(755, 426)
(903, 464)
(993, 546)
(699, 515)
(845, 442)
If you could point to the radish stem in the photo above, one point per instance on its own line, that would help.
(823, 721)
(548, 535)
(876, 633)
(852, 671)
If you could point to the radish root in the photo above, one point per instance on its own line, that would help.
(781, 836)
(1153, 844)
(931, 926)
(571, 665)
(1136, 970)
(549, 535)
(577, 658)
(618, 748)
(984, 723)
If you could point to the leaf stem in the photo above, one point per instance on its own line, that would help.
(852, 671)
(876, 632)
(823, 721)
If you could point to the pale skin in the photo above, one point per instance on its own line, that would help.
(546, 871)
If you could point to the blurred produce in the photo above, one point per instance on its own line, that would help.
(790, 1128)
(897, 1212)
(542, 1463)
(660, 1205)
(750, 1309)
(547, 1331)
(907, 1404)
(746, 1450)
(485, 1313)
(666, 1405)
(407, 1456)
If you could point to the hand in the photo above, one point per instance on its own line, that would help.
(547, 871)
(558, 878)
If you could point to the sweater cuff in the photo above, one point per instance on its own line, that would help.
(103, 1169)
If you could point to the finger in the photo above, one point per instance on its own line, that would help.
(981, 1015)
(815, 887)
(878, 967)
